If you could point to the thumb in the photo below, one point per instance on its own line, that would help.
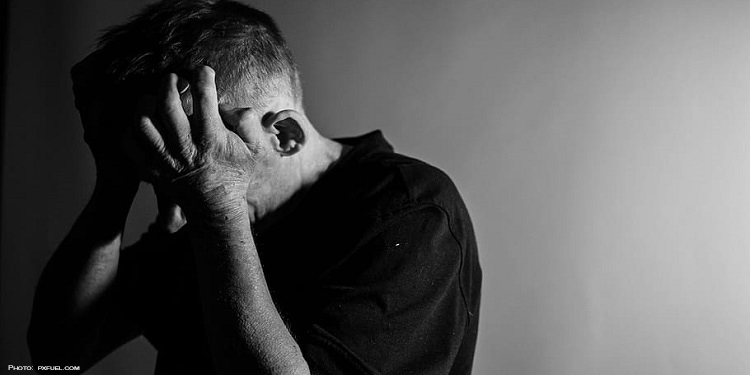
(170, 216)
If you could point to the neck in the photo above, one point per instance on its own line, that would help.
(326, 153)
(318, 155)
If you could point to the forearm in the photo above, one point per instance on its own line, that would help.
(71, 295)
(244, 329)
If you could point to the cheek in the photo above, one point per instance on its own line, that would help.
(267, 169)
(265, 159)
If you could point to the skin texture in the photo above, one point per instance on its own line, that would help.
(210, 171)
(223, 170)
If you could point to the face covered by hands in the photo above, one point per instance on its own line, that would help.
(203, 166)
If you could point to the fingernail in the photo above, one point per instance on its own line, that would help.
(182, 85)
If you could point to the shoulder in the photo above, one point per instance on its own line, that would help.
(374, 189)
(391, 183)
(424, 183)
(373, 172)
(407, 280)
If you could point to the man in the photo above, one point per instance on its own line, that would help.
(276, 250)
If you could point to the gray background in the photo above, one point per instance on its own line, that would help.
(601, 147)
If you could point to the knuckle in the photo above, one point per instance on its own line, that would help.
(187, 150)
(170, 110)
(194, 157)
(205, 91)
(205, 85)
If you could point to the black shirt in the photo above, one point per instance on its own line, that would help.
(375, 272)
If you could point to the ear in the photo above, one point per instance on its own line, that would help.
(289, 134)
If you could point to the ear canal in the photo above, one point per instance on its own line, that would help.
(290, 135)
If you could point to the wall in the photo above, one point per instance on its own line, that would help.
(601, 146)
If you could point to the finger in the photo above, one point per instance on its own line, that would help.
(134, 153)
(156, 156)
(163, 201)
(145, 126)
(170, 216)
(165, 204)
(175, 124)
(205, 102)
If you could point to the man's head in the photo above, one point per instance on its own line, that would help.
(257, 85)
(243, 45)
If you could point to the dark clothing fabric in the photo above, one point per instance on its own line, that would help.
(375, 272)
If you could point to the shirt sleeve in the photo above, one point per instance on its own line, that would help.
(396, 305)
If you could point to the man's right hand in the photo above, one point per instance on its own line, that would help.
(76, 317)
(104, 116)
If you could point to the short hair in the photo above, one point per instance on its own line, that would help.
(242, 44)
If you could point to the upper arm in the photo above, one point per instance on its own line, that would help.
(398, 303)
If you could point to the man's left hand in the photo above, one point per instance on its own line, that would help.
(199, 162)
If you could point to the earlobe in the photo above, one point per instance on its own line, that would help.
(289, 136)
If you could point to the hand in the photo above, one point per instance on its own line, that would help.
(170, 217)
(103, 116)
(195, 159)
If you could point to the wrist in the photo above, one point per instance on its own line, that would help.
(208, 190)
(216, 207)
